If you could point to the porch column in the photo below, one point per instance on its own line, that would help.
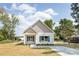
(25, 39)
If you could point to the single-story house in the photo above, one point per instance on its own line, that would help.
(38, 33)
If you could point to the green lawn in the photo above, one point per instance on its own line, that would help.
(73, 45)
(59, 43)
(8, 41)
(70, 45)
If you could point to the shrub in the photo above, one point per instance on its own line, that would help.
(1, 38)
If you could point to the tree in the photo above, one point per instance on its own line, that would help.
(49, 23)
(9, 25)
(1, 36)
(57, 31)
(66, 28)
(75, 14)
(13, 22)
(5, 21)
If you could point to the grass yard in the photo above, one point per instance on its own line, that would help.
(73, 45)
(70, 45)
(59, 43)
(12, 49)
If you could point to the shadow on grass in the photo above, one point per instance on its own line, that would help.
(49, 52)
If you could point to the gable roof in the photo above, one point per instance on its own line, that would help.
(42, 24)
(29, 30)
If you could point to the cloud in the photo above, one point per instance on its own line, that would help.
(24, 24)
(40, 16)
(26, 7)
(50, 11)
(14, 6)
(28, 15)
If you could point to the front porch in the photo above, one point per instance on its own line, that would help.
(30, 38)
(33, 39)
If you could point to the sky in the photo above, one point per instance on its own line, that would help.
(29, 13)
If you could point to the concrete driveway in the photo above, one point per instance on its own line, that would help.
(65, 50)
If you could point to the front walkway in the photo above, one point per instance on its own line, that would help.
(65, 50)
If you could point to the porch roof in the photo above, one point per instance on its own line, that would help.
(30, 34)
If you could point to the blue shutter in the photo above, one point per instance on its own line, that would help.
(48, 39)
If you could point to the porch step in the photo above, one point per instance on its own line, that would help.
(40, 46)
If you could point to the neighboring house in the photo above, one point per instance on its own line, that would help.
(39, 33)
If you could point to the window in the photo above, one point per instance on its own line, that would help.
(44, 38)
(30, 38)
